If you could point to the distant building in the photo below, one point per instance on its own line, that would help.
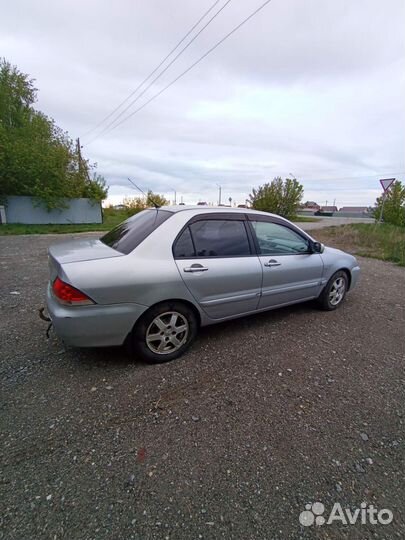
(310, 205)
(355, 210)
(329, 209)
(308, 208)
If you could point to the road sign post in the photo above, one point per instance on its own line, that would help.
(386, 183)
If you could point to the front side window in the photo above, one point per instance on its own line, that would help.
(214, 238)
(126, 236)
(275, 239)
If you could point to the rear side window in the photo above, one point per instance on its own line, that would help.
(220, 238)
(184, 248)
(126, 236)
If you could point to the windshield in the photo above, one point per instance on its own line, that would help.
(126, 236)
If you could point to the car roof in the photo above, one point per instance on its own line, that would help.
(223, 209)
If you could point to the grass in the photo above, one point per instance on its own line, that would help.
(379, 241)
(111, 218)
(19, 228)
(304, 219)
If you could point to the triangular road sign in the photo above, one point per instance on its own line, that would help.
(386, 183)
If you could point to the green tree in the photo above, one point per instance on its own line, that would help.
(280, 197)
(394, 205)
(155, 198)
(136, 204)
(37, 158)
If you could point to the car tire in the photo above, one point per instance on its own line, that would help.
(334, 292)
(164, 332)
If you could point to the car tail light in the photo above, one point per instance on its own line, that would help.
(67, 294)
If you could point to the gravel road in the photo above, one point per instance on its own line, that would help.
(262, 416)
(323, 222)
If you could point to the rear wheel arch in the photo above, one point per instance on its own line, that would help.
(186, 303)
(170, 304)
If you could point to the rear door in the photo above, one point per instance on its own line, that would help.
(216, 259)
(292, 272)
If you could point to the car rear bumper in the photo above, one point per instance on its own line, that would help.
(95, 325)
(355, 272)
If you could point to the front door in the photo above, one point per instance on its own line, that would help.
(219, 267)
(291, 271)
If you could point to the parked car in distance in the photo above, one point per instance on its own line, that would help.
(153, 280)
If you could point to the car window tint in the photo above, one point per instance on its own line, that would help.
(275, 239)
(126, 236)
(184, 247)
(220, 238)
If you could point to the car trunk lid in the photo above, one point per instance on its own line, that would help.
(76, 251)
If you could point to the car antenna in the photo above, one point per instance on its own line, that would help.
(148, 197)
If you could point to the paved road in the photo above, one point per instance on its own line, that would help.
(260, 417)
(332, 221)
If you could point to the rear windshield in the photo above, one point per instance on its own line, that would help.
(126, 236)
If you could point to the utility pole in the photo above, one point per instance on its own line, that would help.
(80, 159)
(219, 196)
(382, 207)
(79, 154)
(175, 196)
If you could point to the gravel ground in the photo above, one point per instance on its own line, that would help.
(261, 417)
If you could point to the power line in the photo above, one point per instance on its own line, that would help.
(160, 74)
(154, 71)
(164, 70)
(235, 29)
(137, 98)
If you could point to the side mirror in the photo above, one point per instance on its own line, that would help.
(318, 247)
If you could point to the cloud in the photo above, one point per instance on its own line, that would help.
(311, 88)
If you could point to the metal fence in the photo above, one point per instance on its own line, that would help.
(30, 211)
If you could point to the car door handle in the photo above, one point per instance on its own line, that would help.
(272, 262)
(195, 268)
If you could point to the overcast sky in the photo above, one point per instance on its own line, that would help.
(314, 88)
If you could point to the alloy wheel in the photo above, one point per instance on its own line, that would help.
(167, 332)
(337, 291)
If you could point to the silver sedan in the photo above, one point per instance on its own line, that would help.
(151, 282)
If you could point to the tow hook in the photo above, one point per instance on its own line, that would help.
(46, 319)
